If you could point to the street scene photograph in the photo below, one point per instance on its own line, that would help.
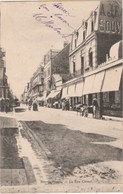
(61, 97)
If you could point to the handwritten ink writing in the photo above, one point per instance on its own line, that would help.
(44, 6)
(47, 14)
(50, 24)
(60, 7)
(39, 16)
(59, 16)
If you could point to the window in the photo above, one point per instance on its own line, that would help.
(74, 67)
(85, 26)
(74, 64)
(82, 65)
(92, 26)
(90, 99)
(48, 71)
(42, 80)
(112, 98)
(84, 35)
(75, 43)
(118, 98)
(45, 74)
(84, 99)
(90, 58)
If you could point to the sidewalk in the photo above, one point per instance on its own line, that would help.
(113, 118)
(105, 117)
(7, 120)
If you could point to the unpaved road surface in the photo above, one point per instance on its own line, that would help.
(55, 151)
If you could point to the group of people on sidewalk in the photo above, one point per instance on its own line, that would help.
(32, 104)
(5, 105)
(65, 104)
(82, 108)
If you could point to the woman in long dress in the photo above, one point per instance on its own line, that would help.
(35, 106)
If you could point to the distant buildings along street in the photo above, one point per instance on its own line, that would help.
(6, 95)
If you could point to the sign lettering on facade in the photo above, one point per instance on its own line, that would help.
(110, 17)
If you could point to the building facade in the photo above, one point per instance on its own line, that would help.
(25, 95)
(36, 85)
(4, 88)
(48, 69)
(58, 67)
(91, 58)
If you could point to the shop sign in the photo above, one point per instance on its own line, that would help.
(110, 17)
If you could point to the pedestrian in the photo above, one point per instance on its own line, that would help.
(63, 105)
(85, 110)
(67, 104)
(29, 104)
(35, 105)
(26, 102)
(95, 107)
(7, 105)
(2, 105)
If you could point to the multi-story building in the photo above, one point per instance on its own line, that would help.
(56, 72)
(25, 95)
(48, 69)
(36, 85)
(92, 65)
(4, 88)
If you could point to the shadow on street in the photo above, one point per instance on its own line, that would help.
(70, 149)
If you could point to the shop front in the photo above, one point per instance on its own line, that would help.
(73, 92)
(53, 98)
(103, 84)
(106, 87)
(112, 92)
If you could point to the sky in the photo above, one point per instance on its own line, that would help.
(30, 29)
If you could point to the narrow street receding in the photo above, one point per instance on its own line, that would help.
(61, 107)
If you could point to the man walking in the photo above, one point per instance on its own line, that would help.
(95, 107)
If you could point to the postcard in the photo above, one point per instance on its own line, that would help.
(61, 72)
